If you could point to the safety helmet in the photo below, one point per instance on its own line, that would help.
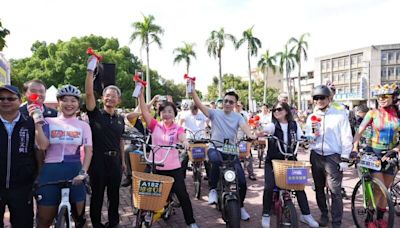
(385, 89)
(69, 90)
(321, 90)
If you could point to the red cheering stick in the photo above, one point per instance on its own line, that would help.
(315, 119)
(136, 78)
(34, 97)
(90, 51)
(190, 78)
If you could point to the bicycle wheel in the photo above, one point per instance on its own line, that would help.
(395, 192)
(288, 217)
(232, 214)
(363, 205)
(197, 180)
(63, 218)
(260, 153)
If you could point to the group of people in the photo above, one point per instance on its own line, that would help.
(60, 146)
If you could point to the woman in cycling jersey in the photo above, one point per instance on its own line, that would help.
(385, 123)
(286, 129)
(166, 132)
(62, 138)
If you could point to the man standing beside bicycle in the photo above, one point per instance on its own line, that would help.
(225, 124)
(385, 123)
(332, 141)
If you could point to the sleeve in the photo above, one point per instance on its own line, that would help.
(46, 130)
(180, 132)
(308, 128)
(211, 113)
(152, 124)
(269, 128)
(87, 134)
(367, 119)
(93, 113)
(346, 137)
(299, 131)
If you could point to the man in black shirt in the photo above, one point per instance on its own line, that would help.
(108, 161)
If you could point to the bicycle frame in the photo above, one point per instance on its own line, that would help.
(65, 202)
(365, 177)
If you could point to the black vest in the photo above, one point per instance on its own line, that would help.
(273, 151)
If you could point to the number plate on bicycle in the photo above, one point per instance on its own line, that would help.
(150, 188)
(296, 175)
(370, 162)
(198, 152)
(243, 147)
(230, 149)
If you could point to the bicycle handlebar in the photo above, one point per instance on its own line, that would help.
(298, 142)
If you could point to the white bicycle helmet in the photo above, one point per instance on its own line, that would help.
(69, 90)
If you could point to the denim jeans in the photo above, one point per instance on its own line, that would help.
(215, 159)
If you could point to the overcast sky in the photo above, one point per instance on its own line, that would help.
(334, 25)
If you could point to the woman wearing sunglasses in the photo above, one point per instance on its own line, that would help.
(385, 123)
(286, 129)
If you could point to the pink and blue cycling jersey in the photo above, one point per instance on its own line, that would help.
(163, 135)
(66, 136)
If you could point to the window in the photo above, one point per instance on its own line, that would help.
(335, 78)
(335, 63)
(390, 57)
(346, 62)
(359, 59)
(346, 77)
(323, 66)
(341, 63)
(328, 65)
(358, 76)
(390, 73)
(346, 89)
(384, 58)
(398, 71)
(354, 77)
(354, 89)
(398, 57)
(341, 78)
(384, 74)
(353, 60)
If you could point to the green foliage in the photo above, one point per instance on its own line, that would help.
(241, 88)
(185, 53)
(3, 33)
(65, 63)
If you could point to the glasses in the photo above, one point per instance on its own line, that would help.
(277, 109)
(315, 98)
(231, 102)
(385, 96)
(10, 99)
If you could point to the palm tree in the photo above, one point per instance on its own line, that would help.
(286, 62)
(300, 48)
(266, 62)
(148, 33)
(215, 43)
(3, 33)
(253, 43)
(185, 53)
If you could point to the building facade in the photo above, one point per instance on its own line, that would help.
(354, 72)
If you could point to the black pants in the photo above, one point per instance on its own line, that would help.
(105, 173)
(20, 206)
(179, 188)
(269, 185)
(325, 171)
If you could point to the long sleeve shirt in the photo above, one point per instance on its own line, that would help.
(334, 133)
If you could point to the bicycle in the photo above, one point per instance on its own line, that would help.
(363, 200)
(289, 177)
(261, 147)
(395, 192)
(64, 215)
(197, 153)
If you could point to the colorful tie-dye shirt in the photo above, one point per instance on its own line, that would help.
(385, 128)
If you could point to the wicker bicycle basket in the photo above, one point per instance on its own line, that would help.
(137, 162)
(280, 172)
(200, 150)
(245, 152)
(151, 202)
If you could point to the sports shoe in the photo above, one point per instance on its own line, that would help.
(244, 215)
(252, 177)
(126, 182)
(323, 220)
(193, 225)
(265, 221)
(309, 220)
(212, 197)
(381, 223)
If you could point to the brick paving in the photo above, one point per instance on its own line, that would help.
(209, 216)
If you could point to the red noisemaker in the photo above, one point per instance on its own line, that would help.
(91, 52)
(189, 81)
(139, 85)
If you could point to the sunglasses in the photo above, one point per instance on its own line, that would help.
(10, 99)
(315, 98)
(277, 109)
(385, 96)
(231, 102)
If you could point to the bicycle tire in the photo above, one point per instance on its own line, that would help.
(62, 218)
(232, 214)
(354, 212)
(197, 182)
(260, 154)
(288, 216)
(395, 193)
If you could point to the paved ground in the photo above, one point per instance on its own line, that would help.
(209, 216)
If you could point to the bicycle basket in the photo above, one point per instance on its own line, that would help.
(244, 149)
(197, 152)
(291, 175)
(137, 161)
(150, 191)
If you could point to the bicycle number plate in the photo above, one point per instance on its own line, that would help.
(230, 149)
(243, 147)
(150, 188)
(198, 152)
(296, 175)
(370, 162)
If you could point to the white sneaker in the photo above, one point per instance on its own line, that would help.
(193, 225)
(265, 221)
(309, 220)
(244, 215)
(212, 197)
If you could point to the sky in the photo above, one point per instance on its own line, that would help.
(334, 26)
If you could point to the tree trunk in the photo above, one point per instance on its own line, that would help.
(250, 90)
(265, 86)
(220, 77)
(299, 89)
(148, 90)
(187, 72)
(288, 86)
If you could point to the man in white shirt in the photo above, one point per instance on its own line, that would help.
(331, 131)
(265, 115)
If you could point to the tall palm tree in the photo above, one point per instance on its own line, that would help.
(215, 43)
(253, 43)
(148, 33)
(185, 53)
(287, 62)
(300, 48)
(266, 62)
(3, 33)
